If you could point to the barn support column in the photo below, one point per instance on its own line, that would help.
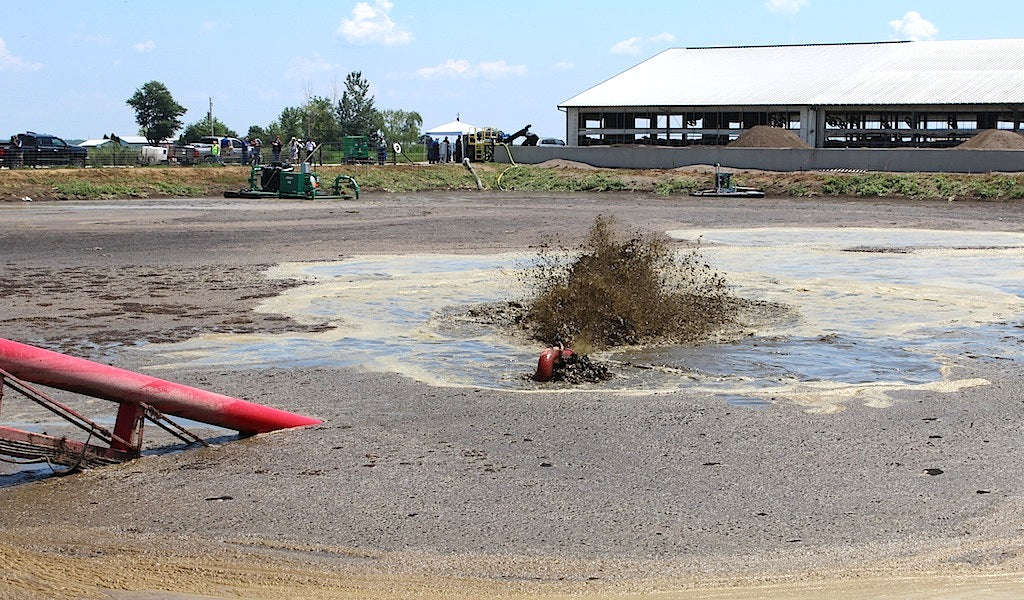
(572, 126)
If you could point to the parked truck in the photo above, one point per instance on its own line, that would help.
(40, 150)
(202, 151)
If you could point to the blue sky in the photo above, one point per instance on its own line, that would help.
(67, 68)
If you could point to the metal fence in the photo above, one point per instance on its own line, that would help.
(327, 153)
(333, 153)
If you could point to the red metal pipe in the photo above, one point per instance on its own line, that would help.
(546, 362)
(82, 376)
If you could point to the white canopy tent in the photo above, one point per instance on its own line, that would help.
(451, 130)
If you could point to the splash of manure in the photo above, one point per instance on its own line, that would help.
(613, 291)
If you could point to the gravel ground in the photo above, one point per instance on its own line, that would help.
(408, 490)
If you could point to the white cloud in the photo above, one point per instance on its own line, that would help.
(463, 69)
(10, 62)
(92, 39)
(303, 67)
(210, 27)
(785, 6)
(500, 70)
(913, 26)
(373, 25)
(636, 45)
(146, 46)
(563, 66)
(629, 46)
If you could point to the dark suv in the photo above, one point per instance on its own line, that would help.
(41, 149)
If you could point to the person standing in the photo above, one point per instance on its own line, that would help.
(275, 151)
(309, 151)
(257, 152)
(19, 151)
(215, 151)
(245, 150)
(446, 147)
(293, 145)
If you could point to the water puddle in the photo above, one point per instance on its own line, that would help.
(875, 311)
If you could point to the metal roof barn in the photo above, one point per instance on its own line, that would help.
(824, 92)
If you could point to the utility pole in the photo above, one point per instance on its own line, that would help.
(209, 116)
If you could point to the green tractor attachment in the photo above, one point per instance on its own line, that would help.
(284, 182)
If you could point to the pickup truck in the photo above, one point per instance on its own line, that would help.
(201, 151)
(39, 150)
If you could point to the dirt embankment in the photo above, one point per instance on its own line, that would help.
(556, 175)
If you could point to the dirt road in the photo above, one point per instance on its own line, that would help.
(409, 490)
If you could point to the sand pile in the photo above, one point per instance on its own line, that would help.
(561, 163)
(994, 139)
(763, 136)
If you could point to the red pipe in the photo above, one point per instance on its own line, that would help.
(546, 362)
(119, 385)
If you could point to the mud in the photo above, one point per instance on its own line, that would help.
(412, 489)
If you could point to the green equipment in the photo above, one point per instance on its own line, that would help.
(356, 148)
(283, 182)
(725, 188)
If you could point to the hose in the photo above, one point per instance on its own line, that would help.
(511, 160)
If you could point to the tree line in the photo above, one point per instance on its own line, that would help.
(319, 118)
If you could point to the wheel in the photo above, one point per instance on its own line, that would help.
(209, 160)
(78, 163)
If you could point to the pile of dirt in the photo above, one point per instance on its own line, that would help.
(763, 136)
(994, 139)
(561, 163)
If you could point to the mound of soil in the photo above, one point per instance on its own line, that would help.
(763, 136)
(994, 139)
(561, 163)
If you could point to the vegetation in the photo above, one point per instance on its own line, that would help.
(156, 112)
(356, 112)
(405, 177)
(201, 128)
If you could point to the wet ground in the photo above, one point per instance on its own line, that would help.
(869, 436)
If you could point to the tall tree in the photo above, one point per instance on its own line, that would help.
(156, 112)
(319, 121)
(401, 126)
(201, 128)
(356, 113)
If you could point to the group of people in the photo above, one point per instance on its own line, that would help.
(444, 151)
(295, 147)
(253, 150)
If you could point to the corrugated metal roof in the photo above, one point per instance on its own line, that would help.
(883, 73)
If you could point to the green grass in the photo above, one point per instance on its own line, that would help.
(87, 190)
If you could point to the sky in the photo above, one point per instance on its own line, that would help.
(68, 68)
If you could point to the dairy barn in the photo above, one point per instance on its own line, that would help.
(888, 106)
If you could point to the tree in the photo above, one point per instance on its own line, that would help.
(255, 131)
(319, 121)
(198, 129)
(156, 112)
(401, 126)
(356, 113)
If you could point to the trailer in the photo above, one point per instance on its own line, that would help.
(276, 181)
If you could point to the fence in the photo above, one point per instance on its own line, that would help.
(328, 153)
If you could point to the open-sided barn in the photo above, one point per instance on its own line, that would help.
(933, 94)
